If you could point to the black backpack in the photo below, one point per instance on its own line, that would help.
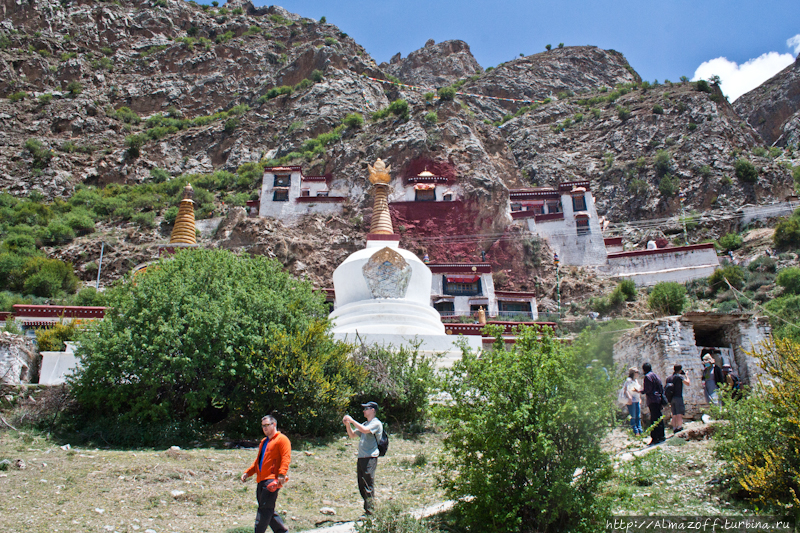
(669, 390)
(383, 444)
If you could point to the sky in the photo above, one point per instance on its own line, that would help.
(743, 42)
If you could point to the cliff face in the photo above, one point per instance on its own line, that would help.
(773, 108)
(434, 65)
(113, 91)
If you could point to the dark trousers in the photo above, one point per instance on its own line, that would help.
(266, 515)
(657, 433)
(366, 481)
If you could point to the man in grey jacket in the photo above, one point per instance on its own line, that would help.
(370, 433)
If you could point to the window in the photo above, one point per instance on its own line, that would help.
(305, 192)
(474, 308)
(448, 197)
(282, 180)
(425, 195)
(579, 203)
(323, 194)
(280, 195)
(583, 226)
(554, 207)
(445, 308)
(516, 207)
(462, 285)
(514, 310)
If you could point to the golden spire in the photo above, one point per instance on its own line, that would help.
(380, 179)
(184, 231)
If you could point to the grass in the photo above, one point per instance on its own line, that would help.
(134, 488)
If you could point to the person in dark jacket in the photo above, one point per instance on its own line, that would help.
(653, 391)
(712, 379)
(678, 380)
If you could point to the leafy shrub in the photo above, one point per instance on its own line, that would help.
(400, 380)
(763, 264)
(48, 277)
(17, 96)
(669, 185)
(532, 474)
(231, 124)
(225, 37)
(74, 88)
(41, 155)
(45, 98)
(135, 143)
(158, 175)
(745, 171)
(431, 117)
(702, 86)
(667, 298)
(399, 108)
(789, 279)
(353, 120)
(279, 91)
(759, 151)
(733, 274)
(80, 220)
(658, 110)
(446, 93)
(758, 442)
(125, 114)
(170, 215)
(52, 339)
(623, 114)
(663, 162)
(57, 232)
(731, 241)
(317, 76)
(144, 220)
(787, 233)
(231, 325)
(628, 289)
(784, 314)
(392, 518)
(638, 187)
(548, 47)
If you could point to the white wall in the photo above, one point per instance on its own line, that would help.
(668, 264)
(291, 211)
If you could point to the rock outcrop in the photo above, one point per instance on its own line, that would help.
(773, 108)
(19, 361)
(434, 65)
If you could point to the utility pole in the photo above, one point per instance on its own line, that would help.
(683, 218)
(100, 266)
(558, 283)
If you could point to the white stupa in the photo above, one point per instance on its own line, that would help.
(383, 292)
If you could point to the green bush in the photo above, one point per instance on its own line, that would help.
(353, 120)
(158, 175)
(667, 298)
(658, 110)
(74, 88)
(57, 232)
(796, 174)
(745, 171)
(52, 339)
(628, 288)
(399, 108)
(731, 241)
(787, 233)
(170, 215)
(662, 162)
(431, 117)
(623, 114)
(89, 296)
(202, 350)
(522, 436)
(784, 315)
(279, 91)
(733, 274)
(446, 93)
(317, 76)
(144, 220)
(789, 279)
(757, 443)
(48, 277)
(17, 96)
(135, 143)
(41, 155)
(45, 98)
(125, 114)
(702, 86)
(392, 518)
(399, 380)
(669, 185)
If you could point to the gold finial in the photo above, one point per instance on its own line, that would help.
(381, 219)
(184, 231)
(379, 173)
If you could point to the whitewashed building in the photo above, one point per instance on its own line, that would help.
(287, 194)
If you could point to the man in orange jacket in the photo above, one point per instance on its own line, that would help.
(270, 467)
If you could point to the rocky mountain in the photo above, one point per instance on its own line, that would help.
(434, 65)
(773, 108)
(137, 93)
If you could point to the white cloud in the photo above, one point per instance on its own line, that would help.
(738, 79)
(794, 43)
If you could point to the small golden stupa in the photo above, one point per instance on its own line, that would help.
(184, 231)
(380, 179)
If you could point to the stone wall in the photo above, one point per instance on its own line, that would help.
(648, 267)
(670, 341)
(19, 362)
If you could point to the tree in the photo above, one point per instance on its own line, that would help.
(548, 46)
(523, 435)
(731, 241)
(722, 276)
(745, 170)
(447, 93)
(789, 279)
(667, 298)
(209, 337)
